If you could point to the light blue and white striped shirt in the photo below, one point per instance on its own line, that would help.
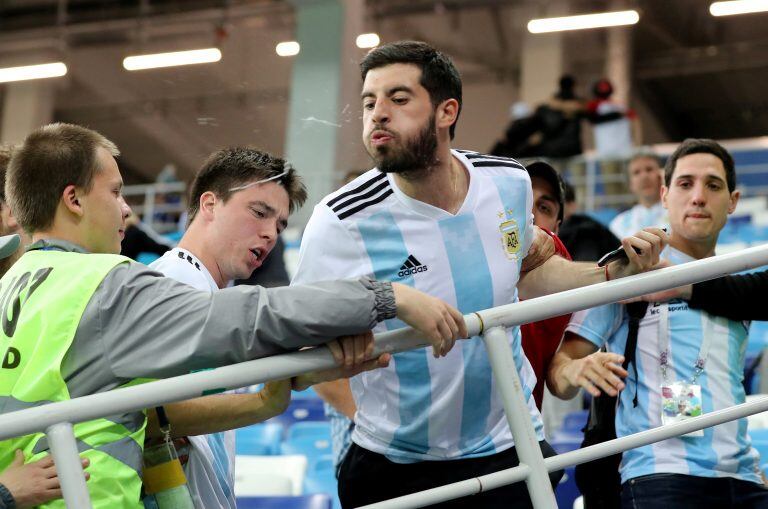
(723, 451)
(421, 408)
(638, 217)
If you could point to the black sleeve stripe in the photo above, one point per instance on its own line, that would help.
(492, 158)
(466, 151)
(505, 164)
(362, 197)
(360, 188)
(363, 205)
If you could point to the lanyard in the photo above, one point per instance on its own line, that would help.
(701, 358)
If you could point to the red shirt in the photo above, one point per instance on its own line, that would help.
(541, 339)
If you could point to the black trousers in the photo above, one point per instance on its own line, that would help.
(366, 477)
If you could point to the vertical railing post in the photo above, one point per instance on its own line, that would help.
(526, 442)
(590, 186)
(149, 206)
(61, 439)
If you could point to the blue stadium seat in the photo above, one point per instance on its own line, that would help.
(575, 421)
(309, 429)
(311, 447)
(301, 410)
(321, 478)
(259, 440)
(317, 501)
(604, 215)
(306, 394)
(147, 258)
(567, 492)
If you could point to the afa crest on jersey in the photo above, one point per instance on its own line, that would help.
(510, 238)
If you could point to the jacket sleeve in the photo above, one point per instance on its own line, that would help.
(734, 297)
(153, 326)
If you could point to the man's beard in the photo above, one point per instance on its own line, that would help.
(416, 155)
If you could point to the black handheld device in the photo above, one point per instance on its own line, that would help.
(618, 254)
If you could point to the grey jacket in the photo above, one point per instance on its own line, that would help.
(141, 324)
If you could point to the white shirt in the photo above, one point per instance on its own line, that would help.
(422, 408)
(210, 470)
(724, 450)
(638, 217)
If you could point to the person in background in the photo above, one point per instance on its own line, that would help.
(137, 240)
(585, 238)
(541, 339)
(8, 223)
(645, 180)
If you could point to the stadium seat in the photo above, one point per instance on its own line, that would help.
(321, 478)
(303, 502)
(305, 394)
(567, 492)
(263, 475)
(309, 429)
(147, 258)
(259, 440)
(310, 447)
(301, 410)
(574, 422)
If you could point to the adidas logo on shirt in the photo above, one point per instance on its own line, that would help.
(411, 266)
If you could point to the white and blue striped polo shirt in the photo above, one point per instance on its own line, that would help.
(422, 408)
(723, 451)
(638, 217)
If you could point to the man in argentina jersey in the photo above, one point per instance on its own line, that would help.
(457, 225)
(210, 257)
(720, 468)
(645, 179)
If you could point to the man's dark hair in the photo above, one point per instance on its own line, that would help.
(238, 166)
(438, 74)
(702, 146)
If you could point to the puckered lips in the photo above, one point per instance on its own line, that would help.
(381, 137)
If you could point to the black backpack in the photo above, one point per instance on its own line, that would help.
(599, 480)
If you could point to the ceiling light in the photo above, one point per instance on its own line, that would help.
(603, 19)
(172, 59)
(33, 72)
(287, 49)
(367, 40)
(738, 7)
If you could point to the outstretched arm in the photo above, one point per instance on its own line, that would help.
(558, 274)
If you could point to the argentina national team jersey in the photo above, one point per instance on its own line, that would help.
(422, 408)
(638, 217)
(723, 451)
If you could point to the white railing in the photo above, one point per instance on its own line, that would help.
(143, 199)
(56, 419)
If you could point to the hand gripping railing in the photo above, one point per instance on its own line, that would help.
(55, 419)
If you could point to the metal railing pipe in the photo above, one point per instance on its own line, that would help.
(283, 366)
(61, 438)
(512, 396)
(482, 483)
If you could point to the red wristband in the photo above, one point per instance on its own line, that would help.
(607, 276)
